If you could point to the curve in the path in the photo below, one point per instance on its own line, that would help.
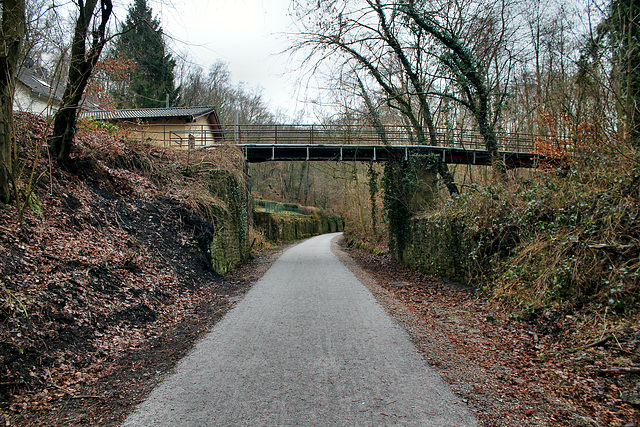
(308, 345)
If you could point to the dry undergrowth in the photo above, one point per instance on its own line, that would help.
(511, 373)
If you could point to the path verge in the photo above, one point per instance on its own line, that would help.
(495, 365)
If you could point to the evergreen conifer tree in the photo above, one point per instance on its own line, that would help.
(151, 83)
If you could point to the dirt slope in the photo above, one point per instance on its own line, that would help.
(106, 281)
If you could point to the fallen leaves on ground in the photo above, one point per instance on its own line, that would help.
(512, 372)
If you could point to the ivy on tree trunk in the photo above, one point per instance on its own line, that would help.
(399, 185)
(467, 75)
(373, 191)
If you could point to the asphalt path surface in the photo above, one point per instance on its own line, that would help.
(308, 345)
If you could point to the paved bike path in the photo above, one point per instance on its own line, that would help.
(308, 345)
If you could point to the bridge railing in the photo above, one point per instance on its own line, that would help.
(194, 136)
(367, 135)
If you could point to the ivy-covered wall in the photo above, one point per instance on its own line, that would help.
(286, 227)
(230, 247)
(444, 246)
(440, 244)
(409, 187)
(230, 242)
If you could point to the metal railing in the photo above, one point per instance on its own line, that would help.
(199, 136)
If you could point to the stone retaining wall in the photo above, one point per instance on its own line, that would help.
(443, 247)
(284, 227)
(230, 242)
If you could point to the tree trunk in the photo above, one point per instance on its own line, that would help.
(80, 68)
(443, 168)
(632, 71)
(64, 129)
(13, 28)
(489, 135)
(390, 38)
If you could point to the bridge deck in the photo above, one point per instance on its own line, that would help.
(256, 153)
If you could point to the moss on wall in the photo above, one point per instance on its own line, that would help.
(409, 187)
(442, 245)
(439, 244)
(230, 242)
(283, 227)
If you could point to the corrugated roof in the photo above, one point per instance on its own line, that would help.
(149, 113)
(40, 85)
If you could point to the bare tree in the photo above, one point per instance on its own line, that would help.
(45, 36)
(467, 74)
(622, 26)
(12, 30)
(231, 101)
(82, 63)
(374, 39)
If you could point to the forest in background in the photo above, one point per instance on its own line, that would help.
(560, 238)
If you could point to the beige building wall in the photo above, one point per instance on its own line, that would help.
(172, 132)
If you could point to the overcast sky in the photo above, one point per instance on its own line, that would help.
(248, 34)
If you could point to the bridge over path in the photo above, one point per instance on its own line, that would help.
(351, 143)
(262, 143)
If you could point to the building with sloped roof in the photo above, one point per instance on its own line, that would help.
(36, 94)
(181, 127)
